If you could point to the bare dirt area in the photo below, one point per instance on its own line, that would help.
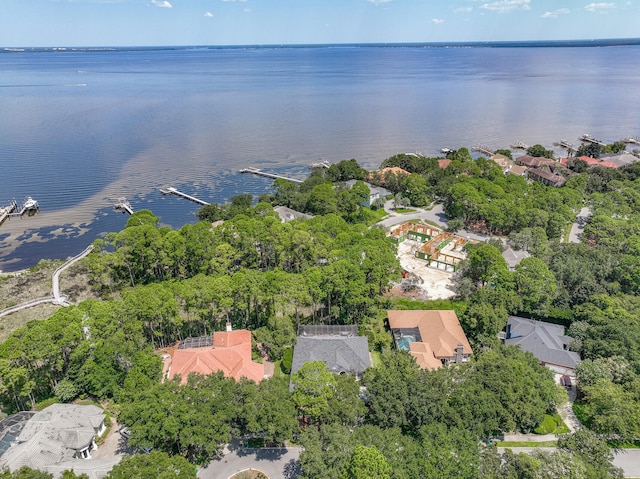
(432, 283)
(16, 288)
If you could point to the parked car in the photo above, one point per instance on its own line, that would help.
(566, 381)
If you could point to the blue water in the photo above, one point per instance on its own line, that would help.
(79, 128)
(403, 342)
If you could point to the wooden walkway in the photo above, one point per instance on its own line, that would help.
(259, 172)
(483, 149)
(170, 190)
(123, 204)
(5, 211)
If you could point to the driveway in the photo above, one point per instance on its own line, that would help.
(575, 235)
(276, 463)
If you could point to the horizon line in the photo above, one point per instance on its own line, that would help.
(580, 42)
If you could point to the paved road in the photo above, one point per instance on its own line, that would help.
(277, 463)
(575, 235)
(61, 300)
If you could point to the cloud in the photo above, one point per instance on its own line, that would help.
(556, 13)
(246, 10)
(161, 3)
(208, 14)
(463, 10)
(503, 6)
(600, 7)
(437, 21)
(378, 2)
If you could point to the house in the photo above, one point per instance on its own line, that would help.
(534, 161)
(513, 257)
(443, 163)
(385, 172)
(375, 192)
(546, 176)
(60, 437)
(227, 351)
(434, 338)
(517, 170)
(620, 159)
(339, 347)
(589, 161)
(504, 162)
(546, 341)
(287, 214)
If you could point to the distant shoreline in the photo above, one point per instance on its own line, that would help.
(600, 42)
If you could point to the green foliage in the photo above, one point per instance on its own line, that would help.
(313, 388)
(540, 151)
(65, 391)
(367, 463)
(156, 464)
(287, 360)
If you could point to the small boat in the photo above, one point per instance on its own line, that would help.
(30, 204)
(446, 151)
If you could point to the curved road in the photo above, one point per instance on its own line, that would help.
(276, 463)
(61, 300)
(575, 235)
(57, 298)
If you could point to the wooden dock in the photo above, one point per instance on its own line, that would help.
(5, 211)
(14, 210)
(259, 172)
(631, 140)
(587, 138)
(483, 149)
(170, 190)
(123, 204)
(519, 146)
(564, 144)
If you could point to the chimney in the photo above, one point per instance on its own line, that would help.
(459, 350)
(228, 326)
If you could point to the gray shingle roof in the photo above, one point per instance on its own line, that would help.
(545, 341)
(349, 355)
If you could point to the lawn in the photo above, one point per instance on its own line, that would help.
(404, 210)
(526, 444)
(552, 424)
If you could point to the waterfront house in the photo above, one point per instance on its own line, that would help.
(534, 161)
(375, 192)
(546, 176)
(433, 337)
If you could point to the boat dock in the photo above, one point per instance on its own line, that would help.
(631, 140)
(519, 146)
(170, 190)
(5, 211)
(29, 205)
(123, 204)
(259, 172)
(483, 149)
(564, 144)
(587, 138)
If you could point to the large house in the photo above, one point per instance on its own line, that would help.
(433, 337)
(227, 351)
(60, 437)
(375, 192)
(546, 341)
(339, 347)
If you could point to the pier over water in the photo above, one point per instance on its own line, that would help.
(259, 172)
(170, 190)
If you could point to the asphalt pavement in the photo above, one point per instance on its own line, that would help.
(276, 463)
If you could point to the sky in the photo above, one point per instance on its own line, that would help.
(82, 23)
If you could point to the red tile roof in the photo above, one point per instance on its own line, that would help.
(231, 354)
(443, 163)
(440, 331)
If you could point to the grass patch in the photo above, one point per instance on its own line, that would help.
(617, 444)
(432, 223)
(581, 410)
(552, 424)
(526, 444)
(376, 358)
(404, 210)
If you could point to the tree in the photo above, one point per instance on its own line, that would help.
(539, 151)
(155, 464)
(416, 189)
(272, 414)
(367, 463)
(313, 388)
(593, 451)
(536, 285)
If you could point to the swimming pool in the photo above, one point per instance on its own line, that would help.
(403, 342)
